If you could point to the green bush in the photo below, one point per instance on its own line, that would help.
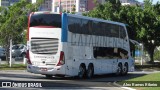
(157, 55)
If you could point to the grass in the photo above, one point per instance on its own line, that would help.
(148, 67)
(13, 67)
(150, 78)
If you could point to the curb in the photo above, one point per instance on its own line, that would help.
(13, 70)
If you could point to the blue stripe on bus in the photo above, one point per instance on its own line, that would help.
(64, 28)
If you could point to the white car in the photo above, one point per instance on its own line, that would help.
(19, 50)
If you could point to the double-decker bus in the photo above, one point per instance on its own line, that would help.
(74, 45)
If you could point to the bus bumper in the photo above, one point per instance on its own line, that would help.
(56, 70)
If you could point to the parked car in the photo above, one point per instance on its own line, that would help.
(2, 53)
(19, 50)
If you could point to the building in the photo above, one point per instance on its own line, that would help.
(91, 4)
(129, 2)
(46, 5)
(70, 5)
(66, 5)
(7, 3)
(77, 5)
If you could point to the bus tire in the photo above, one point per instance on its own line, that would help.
(90, 71)
(48, 76)
(82, 71)
(119, 69)
(125, 69)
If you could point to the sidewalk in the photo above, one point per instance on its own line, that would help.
(16, 62)
(13, 70)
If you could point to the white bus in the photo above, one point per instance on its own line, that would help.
(74, 45)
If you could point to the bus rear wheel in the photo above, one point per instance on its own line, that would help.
(119, 69)
(90, 71)
(125, 69)
(82, 71)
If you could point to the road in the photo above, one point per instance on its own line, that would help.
(99, 82)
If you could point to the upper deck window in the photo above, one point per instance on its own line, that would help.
(45, 20)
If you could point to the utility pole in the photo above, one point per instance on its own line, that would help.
(10, 56)
(59, 6)
(77, 5)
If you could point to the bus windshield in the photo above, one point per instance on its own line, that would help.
(53, 20)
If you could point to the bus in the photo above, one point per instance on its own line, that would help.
(74, 45)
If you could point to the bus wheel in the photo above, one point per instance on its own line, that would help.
(119, 69)
(125, 69)
(90, 71)
(49, 76)
(82, 71)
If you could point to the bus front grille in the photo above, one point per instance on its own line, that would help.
(44, 45)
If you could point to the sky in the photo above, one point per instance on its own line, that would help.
(154, 1)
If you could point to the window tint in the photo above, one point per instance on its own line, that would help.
(15, 47)
(90, 27)
(45, 20)
(110, 53)
(84, 26)
(21, 47)
(103, 29)
(74, 25)
(122, 32)
(115, 31)
(71, 24)
(95, 27)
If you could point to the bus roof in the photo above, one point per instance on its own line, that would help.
(80, 16)
(45, 12)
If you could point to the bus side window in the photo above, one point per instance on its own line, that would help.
(71, 25)
(109, 27)
(90, 29)
(84, 26)
(95, 26)
(122, 33)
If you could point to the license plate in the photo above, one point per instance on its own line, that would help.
(43, 69)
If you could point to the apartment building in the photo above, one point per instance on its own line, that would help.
(78, 5)
(46, 5)
(69, 5)
(7, 3)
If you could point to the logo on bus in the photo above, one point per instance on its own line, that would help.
(44, 57)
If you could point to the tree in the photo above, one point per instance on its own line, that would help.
(145, 21)
(73, 9)
(13, 21)
(157, 55)
(150, 30)
(142, 20)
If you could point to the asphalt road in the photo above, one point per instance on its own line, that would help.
(98, 82)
